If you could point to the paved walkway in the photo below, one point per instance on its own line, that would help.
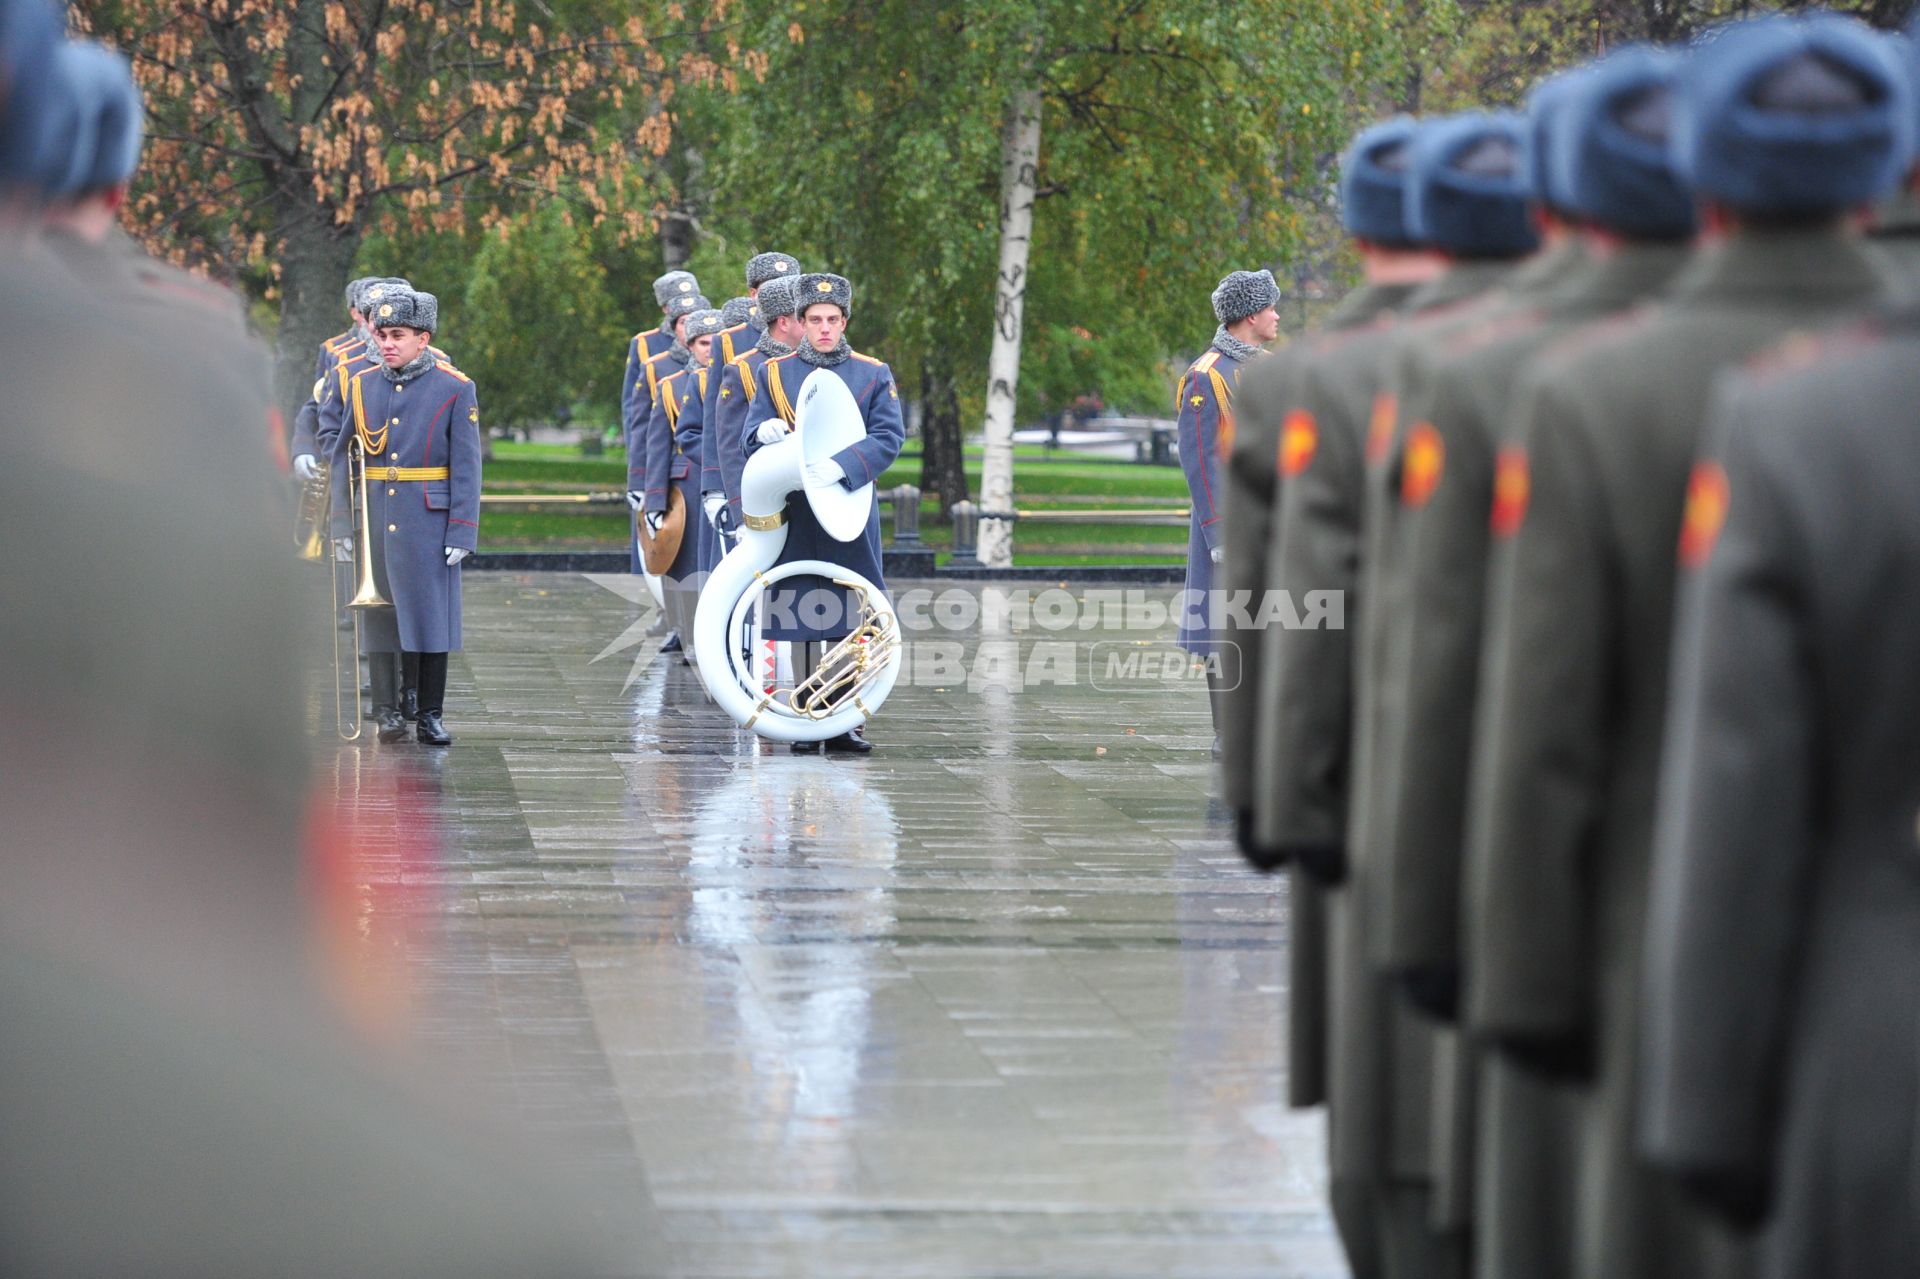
(999, 1000)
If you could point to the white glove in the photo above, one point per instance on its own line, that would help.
(307, 466)
(826, 471)
(343, 549)
(636, 500)
(711, 504)
(455, 554)
(771, 431)
(654, 520)
(1216, 555)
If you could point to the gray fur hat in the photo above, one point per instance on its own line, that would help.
(777, 298)
(405, 308)
(702, 323)
(685, 304)
(762, 267)
(818, 286)
(672, 285)
(354, 287)
(1244, 293)
(375, 287)
(736, 311)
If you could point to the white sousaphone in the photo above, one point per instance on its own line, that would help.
(855, 674)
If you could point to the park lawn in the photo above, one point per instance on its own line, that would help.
(1040, 484)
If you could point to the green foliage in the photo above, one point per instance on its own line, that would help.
(536, 321)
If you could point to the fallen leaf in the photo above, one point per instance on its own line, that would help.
(1099, 750)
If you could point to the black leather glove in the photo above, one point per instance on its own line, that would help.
(1562, 1058)
(1259, 855)
(1434, 989)
(1327, 863)
(1740, 1197)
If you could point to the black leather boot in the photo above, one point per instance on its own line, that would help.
(673, 644)
(430, 731)
(851, 742)
(804, 748)
(392, 727)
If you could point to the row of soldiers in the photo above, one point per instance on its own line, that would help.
(1601, 811)
(416, 461)
(707, 388)
(176, 1096)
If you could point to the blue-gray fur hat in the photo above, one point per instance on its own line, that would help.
(1373, 182)
(736, 311)
(685, 304)
(762, 267)
(1467, 187)
(1610, 146)
(672, 285)
(116, 141)
(74, 95)
(406, 308)
(375, 287)
(30, 30)
(778, 297)
(1546, 106)
(702, 323)
(818, 286)
(1244, 293)
(1785, 115)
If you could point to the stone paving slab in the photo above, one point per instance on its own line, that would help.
(999, 1000)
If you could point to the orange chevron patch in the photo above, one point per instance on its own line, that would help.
(1512, 485)
(1386, 412)
(1707, 500)
(1299, 441)
(1420, 471)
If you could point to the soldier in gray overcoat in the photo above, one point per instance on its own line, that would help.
(1783, 966)
(1243, 303)
(418, 421)
(1378, 1056)
(1785, 127)
(677, 293)
(807, 611)
(673, 463)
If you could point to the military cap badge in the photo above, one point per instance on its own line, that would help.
(824, 286)
(386, 310)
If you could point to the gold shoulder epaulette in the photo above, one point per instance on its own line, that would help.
(1206, 362)
(443, 365)
(868, 358)
(659, 355)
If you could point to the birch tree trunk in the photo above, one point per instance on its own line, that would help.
(1019, 178)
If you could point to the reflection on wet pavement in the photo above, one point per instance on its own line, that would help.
(998, 1000)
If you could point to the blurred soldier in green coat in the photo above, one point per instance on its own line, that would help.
(1784, 923)
(1268, 443)
(1608, 173)
(1786, 128)
(1466, 198)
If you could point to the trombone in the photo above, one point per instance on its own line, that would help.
(366, 595)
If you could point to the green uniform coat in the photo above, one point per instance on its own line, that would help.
(1574, 685)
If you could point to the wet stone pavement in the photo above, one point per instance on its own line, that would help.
(998, 1000)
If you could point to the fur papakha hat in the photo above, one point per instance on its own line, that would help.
(702, 323)
(819, 286)
(685, 304)
(736, 311)
(1611, 152)
(1468, 187)
(1244, 293)
(1794, 115)
(672, 285)
(406, 308)
(762, 267)
(777, 298)
(1373, 182)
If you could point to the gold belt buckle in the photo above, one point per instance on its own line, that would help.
(393, 473)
